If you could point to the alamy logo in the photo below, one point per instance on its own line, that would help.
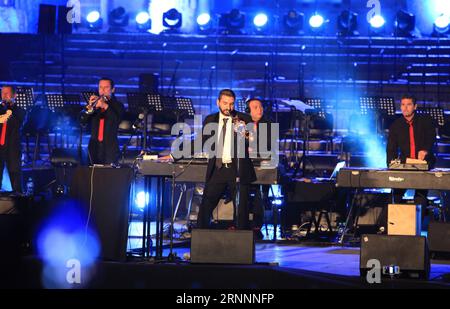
(376, 9)
(74, 14)
(73, 275)
(374, 272)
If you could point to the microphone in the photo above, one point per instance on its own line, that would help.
(138, 123)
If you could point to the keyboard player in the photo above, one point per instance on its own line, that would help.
(411, 136)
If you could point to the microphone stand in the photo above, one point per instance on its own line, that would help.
(173, 79)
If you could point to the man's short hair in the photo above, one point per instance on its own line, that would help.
(228, 93)
(111, 82)
(11, 87)
(410, 97)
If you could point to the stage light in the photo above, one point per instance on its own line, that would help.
(441, 26)
(233, 22)
(118, 20)
(260, 20)
(172, 19)
(405, 24)
(143, 21)
(293, 23)
(204, 23)
(377, 21)
(94, 21)
(347, 23)
(316, 21)
(203, 19)
(377, 25)
(142, 199)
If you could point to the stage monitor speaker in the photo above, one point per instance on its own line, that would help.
(439, 237)
(47, 19)
(149, 83)
(109, 205)
(222, 246)
(408, 253)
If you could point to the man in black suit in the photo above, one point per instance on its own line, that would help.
(227, 160)
(260, 148)
(104, 113)
(411, 136)
(11, 119)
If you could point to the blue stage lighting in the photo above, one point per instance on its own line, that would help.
(93, 17)
(142, 18)
(94, 21)
(260, 20)
(203, 19)
(143, 21)
(377, 21)
(441, 25)
(316, 21)
(142, 199)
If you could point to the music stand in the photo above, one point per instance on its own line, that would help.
(87, 94)
(24, 98)
(241, 105)
(55, 102)
(185, 104)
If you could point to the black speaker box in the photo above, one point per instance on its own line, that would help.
(439, 237)
(222, 247)
(109, 206)
(64, 27)
(47, 19)
(409, 253)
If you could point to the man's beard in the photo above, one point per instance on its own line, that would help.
(225, 112)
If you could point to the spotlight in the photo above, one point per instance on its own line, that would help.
(376, 25)
(260, 21)
(204, 22)
(347, 23)
(233, 22)
(118, 20)
(405, 24)
(441, 26)
(143, 22)
(316, 21)
(172, 19)
(142, 199)
(293, 23)
(94, 21)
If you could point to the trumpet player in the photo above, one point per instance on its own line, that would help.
(104, 112)
(11, 119)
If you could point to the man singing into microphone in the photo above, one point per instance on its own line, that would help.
(104, 113)
(11, 118)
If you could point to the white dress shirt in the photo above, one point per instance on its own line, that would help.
(226, 155)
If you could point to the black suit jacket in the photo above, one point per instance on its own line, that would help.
(14, 124)
(424, 137)
(246, 170)
(113, 117)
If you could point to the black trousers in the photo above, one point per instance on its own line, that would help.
(420, 198)
(222, 179)
(12, 159)
(102, 153)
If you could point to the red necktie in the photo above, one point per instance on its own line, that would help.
(101, 128)
(3, 137)
(412, 142)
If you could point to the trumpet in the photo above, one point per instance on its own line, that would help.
(91, 107)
